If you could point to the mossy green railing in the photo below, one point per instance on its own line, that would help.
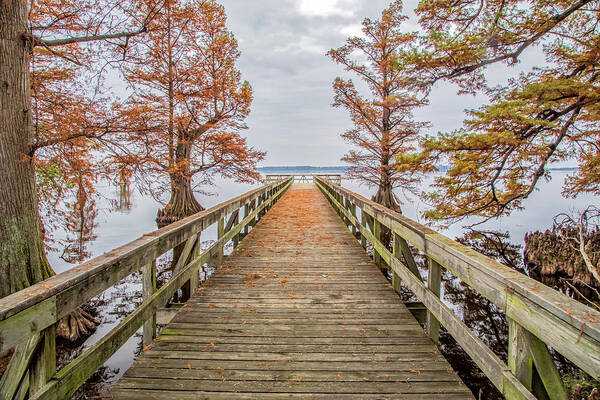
(537, 315)
(28, 318)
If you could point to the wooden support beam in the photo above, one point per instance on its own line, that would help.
(376, 255)
(148, 289)
(236, 238)
(185, 253)
(261, 201)
(363, 222)
(252, 208)
(408, 256)
(353, 211)
(434, 281)
(184, 258)
(24, 387)
(234, 219)
(195, 280)
(530, 361)
(246, 212)
(346, 203)
(43, 365)
(546, 369)
(520, 361)
(18, 366)
(396, 252)
(220, 234)
(231, 222)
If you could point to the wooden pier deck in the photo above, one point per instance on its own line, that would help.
(298, 311)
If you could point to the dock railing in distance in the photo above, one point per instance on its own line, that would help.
(537, 315)
(29, 317)
(304, 178)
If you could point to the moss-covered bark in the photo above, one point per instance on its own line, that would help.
(22, 259)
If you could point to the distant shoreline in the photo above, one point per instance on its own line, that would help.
(342, 169)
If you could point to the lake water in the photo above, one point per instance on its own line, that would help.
(117, 226)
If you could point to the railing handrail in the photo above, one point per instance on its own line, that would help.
(28, 318)
(568, 326)
(302, 174)
(337, 178)
(174, 233)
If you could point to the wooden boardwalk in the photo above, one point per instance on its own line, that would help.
(298, 311)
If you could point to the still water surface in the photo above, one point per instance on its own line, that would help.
(117, 225)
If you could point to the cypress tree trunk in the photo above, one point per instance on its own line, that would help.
(385, 194)
(182, 203)
(385, 197)
(22, 259)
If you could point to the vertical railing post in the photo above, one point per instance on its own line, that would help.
(397, 252)
(434, 282)
(246, 213)
(236, 238)
(343, 207)
(195, 279)
(259, 202)
(43, 365)
(353, 211)
(347, 207)
(148, 289)
(15, 380)
(377, 233)
(267, 201)
(253, 206)
(363, 222)
(251, 222)
(532, 364)
(220, 234)
(520, 361)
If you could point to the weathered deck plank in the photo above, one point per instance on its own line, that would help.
(297, 311)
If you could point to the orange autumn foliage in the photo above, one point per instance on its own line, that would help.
(384, 128)
(182, 123)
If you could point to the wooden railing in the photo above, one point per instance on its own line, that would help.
(304, 178)
(537, 316)
(28, 318)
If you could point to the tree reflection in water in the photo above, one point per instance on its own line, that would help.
(124, 202)
(80, 224)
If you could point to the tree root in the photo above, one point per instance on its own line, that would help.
(76, 325)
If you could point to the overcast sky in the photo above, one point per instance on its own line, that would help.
(283, 45)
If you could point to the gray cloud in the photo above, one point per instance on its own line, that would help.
(283, 45)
